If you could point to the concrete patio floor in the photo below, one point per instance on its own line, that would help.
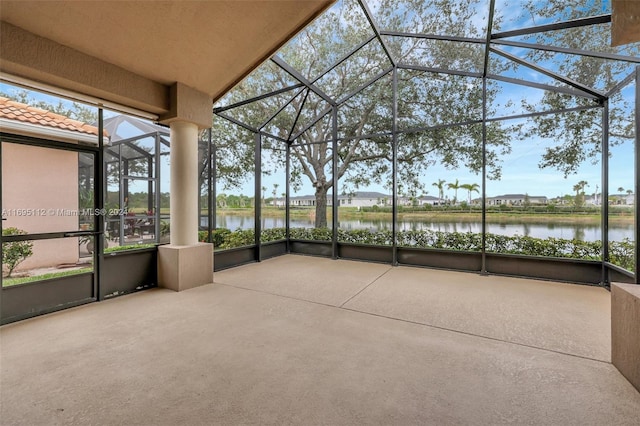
(304, 340)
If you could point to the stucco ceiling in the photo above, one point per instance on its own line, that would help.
(207, 45)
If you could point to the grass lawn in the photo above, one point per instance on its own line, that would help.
(8, 282)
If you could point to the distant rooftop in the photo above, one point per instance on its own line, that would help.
(17, 111)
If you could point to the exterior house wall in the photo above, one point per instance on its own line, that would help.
(622, 199)
(41, 180)
(361, 202)
(516, 200)
(432, 201)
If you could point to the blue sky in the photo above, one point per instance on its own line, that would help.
(520, 171)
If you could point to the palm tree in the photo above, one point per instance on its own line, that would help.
(440, 185)
(620, 189)
(579, 188)
(264, 189)
(455, 186)
(471, 187)
(275, 191)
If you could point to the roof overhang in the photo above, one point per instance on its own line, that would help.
(131, 52)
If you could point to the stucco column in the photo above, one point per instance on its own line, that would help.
(184, 183)
(185, 263)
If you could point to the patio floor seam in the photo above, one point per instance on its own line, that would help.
(417, 322)
(365, 287)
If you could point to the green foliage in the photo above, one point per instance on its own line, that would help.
(73, 110)
(313, 234)
(23, 280)
(127, 248)
(621, 252)
(217, 236)
(239, 238)
(578, 135)
(363, 236)
(424, 98)
(273, 234)
(165, 227)
(13, 253)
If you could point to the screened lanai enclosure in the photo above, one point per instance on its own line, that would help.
(488, 136)
(494, 136)
(133, 170)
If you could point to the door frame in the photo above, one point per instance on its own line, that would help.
(27, 300)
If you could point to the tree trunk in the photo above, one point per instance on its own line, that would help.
(321, 207)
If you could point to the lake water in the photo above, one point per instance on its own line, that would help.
(556, 230)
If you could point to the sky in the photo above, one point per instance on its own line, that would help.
(520, 171)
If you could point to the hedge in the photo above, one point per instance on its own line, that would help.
(621, 253)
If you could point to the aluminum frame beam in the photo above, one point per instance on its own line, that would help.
(257, 98)
(573, 23)
(433, 37)
(567, 50)
(282, 108)
(376, 30)
(548, 73)
(439, 70)
(557, 89)
(302, 79)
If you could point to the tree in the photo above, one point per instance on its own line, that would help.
(13, 253)
(578, 135)
(221, 199)
(73, 110)
(579, 188)
(470, 187)
(364, 120)
(455, 186)
(440, 185)
(275, 191)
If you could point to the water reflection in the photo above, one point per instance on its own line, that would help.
(617, 232)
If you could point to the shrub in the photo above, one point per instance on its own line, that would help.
(238, 238)
(314, 234)
(13, 253)
(621, 252)
(273, 234)
(218, 236)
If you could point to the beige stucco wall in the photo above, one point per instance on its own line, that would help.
(41, 181)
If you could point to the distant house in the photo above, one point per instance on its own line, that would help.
(364, 199)
(516, 200)
(301, 201)
(614, 199)
(622, 199)
(430, 200)
(593, 200)
(356, 199)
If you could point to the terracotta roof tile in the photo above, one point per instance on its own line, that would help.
(17, 111)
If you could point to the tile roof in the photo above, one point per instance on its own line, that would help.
(17, 111)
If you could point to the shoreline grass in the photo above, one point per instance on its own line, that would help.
(442, 216)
